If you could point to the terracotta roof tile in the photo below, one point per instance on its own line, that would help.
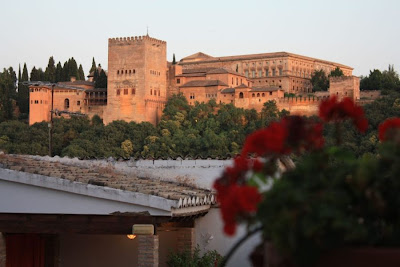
(204, 83)
(101, 176)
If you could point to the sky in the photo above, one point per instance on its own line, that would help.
(363, 34)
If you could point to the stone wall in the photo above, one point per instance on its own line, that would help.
(345, 86)
(137, 73)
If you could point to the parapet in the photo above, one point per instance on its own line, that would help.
(302, 100)
(133, 40)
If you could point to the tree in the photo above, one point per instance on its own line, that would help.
(8, 93)
(59, 72)
(93, 66)
(101, 81)
(81, 74)
(173, 59)
(319, 81)
(50, 72)
(336, 73)
(23, 92)
(65, 72)
(72, 68)
(373, 81)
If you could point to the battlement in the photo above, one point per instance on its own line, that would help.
(342, 78)
(133, 40)
(301, 100)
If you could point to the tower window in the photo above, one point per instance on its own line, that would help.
(134, 71)
(78, 103)
(240, 95)
(151, 91)
(125, 91)
(117, 71)
(133, 91)
(66, 103)
(118, 92)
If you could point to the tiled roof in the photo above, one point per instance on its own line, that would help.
(223, 71)
(185, 195)
(228, 91)
(76, 83)
(264, 89)
(262, 56)
(242, 86)
(204, 83)
(197, 74)
(197, 70)
(196, 56)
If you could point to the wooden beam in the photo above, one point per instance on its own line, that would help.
(81, 224)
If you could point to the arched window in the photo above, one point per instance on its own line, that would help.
(263, 95)
(258, 94)
(253, 95)
(66, 103)
(240, 95)
(117, 71)
(151, 91)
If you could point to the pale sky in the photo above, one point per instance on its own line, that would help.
(363, 34)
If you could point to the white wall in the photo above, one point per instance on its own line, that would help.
(210, 236)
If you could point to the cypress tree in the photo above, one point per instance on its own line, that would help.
(72, 68)
(81, 74)
(65, 75)
(34, 74)
(19, 74)
(23, 92)
(173, 59)
(93, 66)
(101, 81)
(59, 72)
(41, 75)
(50, 72)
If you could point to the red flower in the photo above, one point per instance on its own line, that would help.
(236, 202)
(270, 140)
(389, 129)
(332, 110)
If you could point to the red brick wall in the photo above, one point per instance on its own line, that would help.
(148, 250)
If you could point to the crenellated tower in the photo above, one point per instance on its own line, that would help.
(137, 79)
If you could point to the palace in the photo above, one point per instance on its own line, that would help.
(140, 80)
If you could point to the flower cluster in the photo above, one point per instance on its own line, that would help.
(390, 130)
(331, 110)
(237, 193)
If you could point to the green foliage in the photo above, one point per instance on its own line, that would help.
(23, 92)
(189, 259)
(8, 93)
(173, 59)
(377, 80)
(93, 68)
(319, 81)
(81, 74)
(101, 81)
(336, 73)
(50, 72)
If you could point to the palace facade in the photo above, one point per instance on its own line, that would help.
(140, 80)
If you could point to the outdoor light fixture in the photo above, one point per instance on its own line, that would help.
(131, 237)
(143, 229)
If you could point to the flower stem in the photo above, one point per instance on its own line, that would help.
(237, 245)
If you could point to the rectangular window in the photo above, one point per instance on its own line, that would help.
(270, 93)
(280, 72)
(246, 73)
(253, 73)
(178, 80)
(118, 92)
(266, 73)
(133, 91)
(125, 91)
(260, 73)
(78, 103)
(273, 72)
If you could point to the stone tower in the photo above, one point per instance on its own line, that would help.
(137, 79)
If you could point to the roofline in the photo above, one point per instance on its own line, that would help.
(262, 55)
